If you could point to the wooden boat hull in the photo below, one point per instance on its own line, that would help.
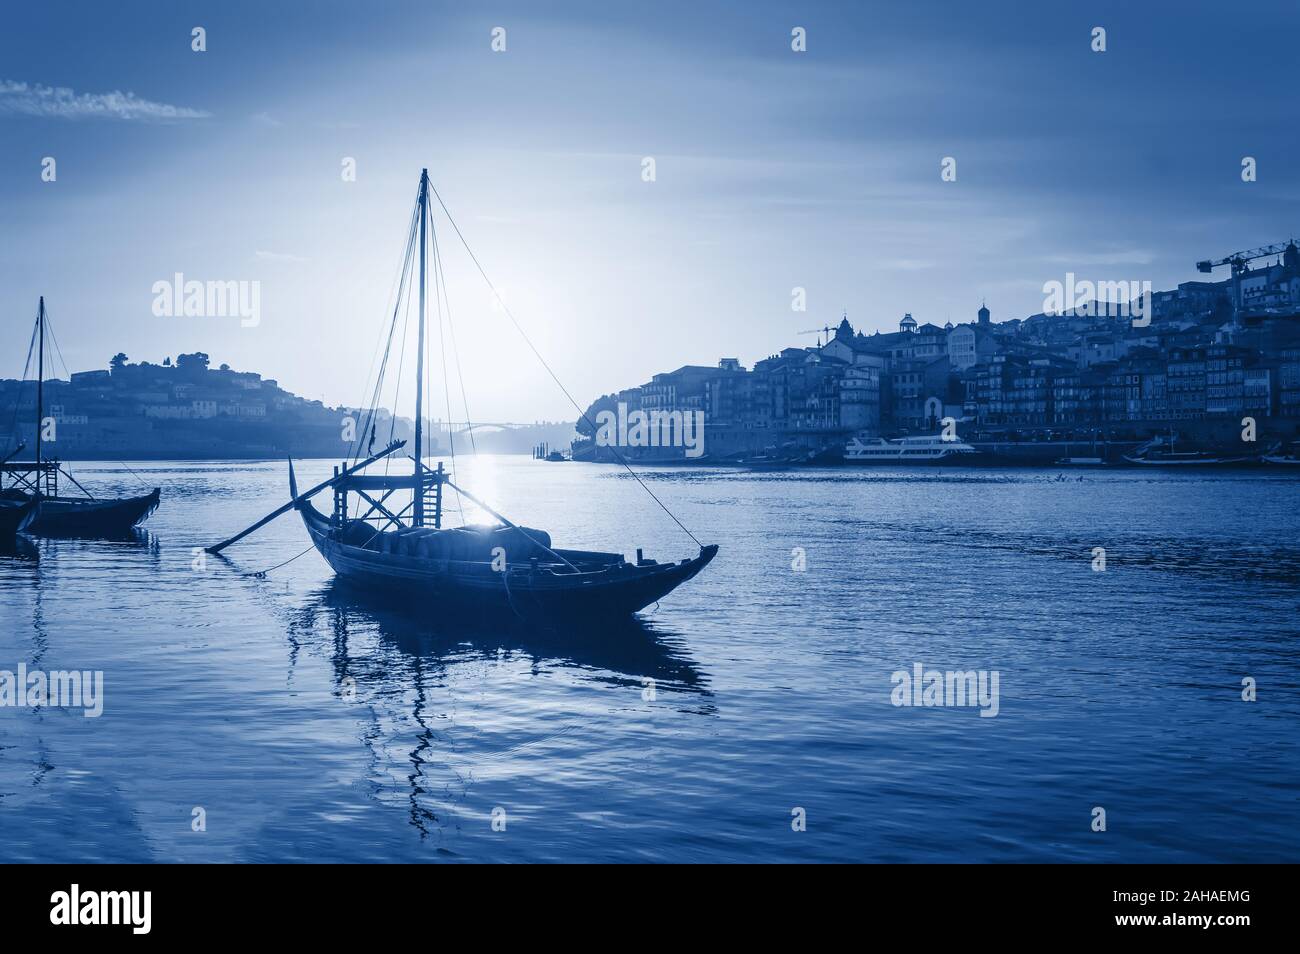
(534, 593)
(1201, 462)
(67, 516)
(15, 517)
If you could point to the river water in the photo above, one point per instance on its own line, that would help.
(291, 719)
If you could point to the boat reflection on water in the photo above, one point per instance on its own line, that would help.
(19, 547)
(404, 666)
(22, 546)
(628, 650)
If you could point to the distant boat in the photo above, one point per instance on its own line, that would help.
(1159, 452)
(921, 449)
(38, 481)
(1284, 455)
(1082, 462)
(765, 462)
(555, 457)
(476, 570)
(779, 458)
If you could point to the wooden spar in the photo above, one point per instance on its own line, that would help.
(511, 525)
(217, 548)
(417, 516)
(40, 380)
(68, 474)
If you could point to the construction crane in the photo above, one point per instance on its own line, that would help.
(818, 331)
(1240, 264)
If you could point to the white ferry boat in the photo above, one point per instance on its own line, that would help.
(922, 449)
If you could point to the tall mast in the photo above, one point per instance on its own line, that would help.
(40, 378)
(418, 503)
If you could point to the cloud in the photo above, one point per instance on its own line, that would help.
(266, 119)
(1131, 256)
(907, 264)
(279, 257)
(59, 102)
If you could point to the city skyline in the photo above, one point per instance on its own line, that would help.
(775, 170)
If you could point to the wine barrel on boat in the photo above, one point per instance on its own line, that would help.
(479, 543)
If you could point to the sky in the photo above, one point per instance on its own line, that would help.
(773, 170)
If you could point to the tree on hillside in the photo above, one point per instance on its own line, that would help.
(195, 364)
(587, 425)
(119, 361)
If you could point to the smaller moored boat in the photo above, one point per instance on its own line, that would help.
(1162, 452)
(75, 516)
(1284, 455)
(37, 482)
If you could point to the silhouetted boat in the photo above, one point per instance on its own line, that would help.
(38, 480)
(479, 570)
(454, 570)
(72, 516)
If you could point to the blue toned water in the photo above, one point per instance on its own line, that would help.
(312, 725)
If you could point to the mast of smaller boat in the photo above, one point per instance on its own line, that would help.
(417, 511)
(40, 382)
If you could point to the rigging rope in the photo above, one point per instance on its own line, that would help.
(377, 394)
(581, 413)
(27, 366)
(443, 305)
(455, 350)
(135, 475)
(439, 296)
(401, 370)
(49, 329)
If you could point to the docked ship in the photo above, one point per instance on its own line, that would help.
(1286, 456)
(1164, 452)
(920, 449)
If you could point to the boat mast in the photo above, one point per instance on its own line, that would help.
(40, 380)
(417, 516)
